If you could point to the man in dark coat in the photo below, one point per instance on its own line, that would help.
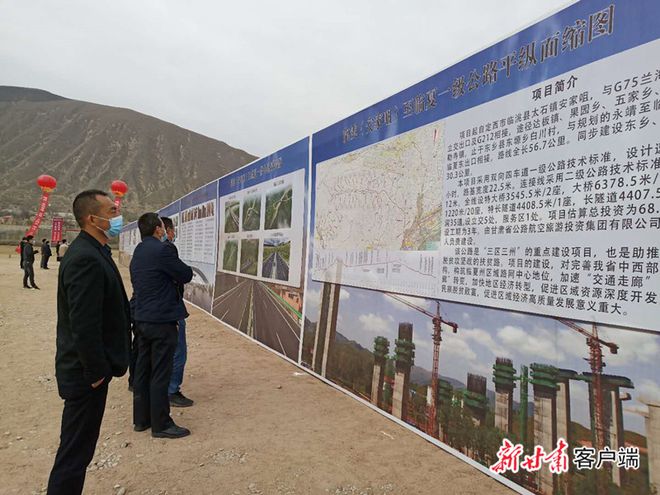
(92, 337)
(21, 246)
(156, 272)
(27, 255)
(46, 253)
(177, 399)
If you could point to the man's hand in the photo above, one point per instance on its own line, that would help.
(96, 384)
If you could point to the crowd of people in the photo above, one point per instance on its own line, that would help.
(101, 333)
(27, 257)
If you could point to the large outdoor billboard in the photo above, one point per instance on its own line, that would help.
(261, 248)
(484, 254)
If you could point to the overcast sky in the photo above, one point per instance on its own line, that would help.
(258, 75)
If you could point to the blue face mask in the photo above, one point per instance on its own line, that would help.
(116, 223)
(163, 237)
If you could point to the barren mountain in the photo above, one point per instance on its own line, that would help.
(86, 145)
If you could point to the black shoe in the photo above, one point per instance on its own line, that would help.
(173, 431)
(130, 387)
(35, 287)
(27, 287)
(179, 400)
(141, 427)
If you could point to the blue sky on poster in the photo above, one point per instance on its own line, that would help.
(485, 334)
(256, 74)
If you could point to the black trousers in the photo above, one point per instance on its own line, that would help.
(44, 261)
(153, 370)
(133, 359)
(81, 423)
(28, 272)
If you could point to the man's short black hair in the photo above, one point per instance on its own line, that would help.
(43, 240)
(167, 221)
(86, 204)
(148, 223)
(29, 238)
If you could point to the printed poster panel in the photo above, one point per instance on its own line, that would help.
(502, 375)
(484, 254)
(261, 248)
(196, 242)
(129, 238)
(524, 177)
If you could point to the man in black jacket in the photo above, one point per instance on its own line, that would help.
(21, 248)
(156, 270)
(27, 254)
(46, 253)
(177, 399)
(92, 337)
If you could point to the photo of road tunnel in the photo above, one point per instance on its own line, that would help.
(279, 202)
(276, 254)
(232, 212)
(471, 376)
(230, 256)
(249, 256)
(252, 212)
(267, 312)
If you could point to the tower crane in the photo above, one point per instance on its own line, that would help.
(595, 343)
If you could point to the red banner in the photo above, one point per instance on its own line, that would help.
(57, 229)
(40, 214)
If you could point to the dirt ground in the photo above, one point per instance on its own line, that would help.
(259, 425)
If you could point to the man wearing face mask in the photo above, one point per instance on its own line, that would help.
(93, 325)
(156, 274)
(177, 399)
(27, 255)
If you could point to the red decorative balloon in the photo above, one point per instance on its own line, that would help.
(46, 183)
(118, 188)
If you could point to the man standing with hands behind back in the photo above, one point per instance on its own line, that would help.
(93, 325)
(156, 273)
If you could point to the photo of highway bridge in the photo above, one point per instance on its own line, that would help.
(276, 259)
(232, 212)
(278, 208)
(252, 212)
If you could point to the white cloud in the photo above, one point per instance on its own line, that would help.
(538, 343)
(417, 301)
(457, 348)
(312, 302)
(639, 409)
(572, 343)
(484, 338)
(648, 391)
(313, 296)
(377, 324)
(344, 295)
(634, 347)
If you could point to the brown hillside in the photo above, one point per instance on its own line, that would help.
(87, 145)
